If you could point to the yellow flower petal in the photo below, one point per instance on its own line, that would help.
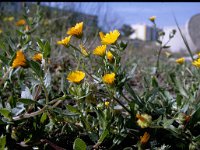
(64, 41)
(109, 56)
(37, 57)
(101, 34)
(152, 18)
(180, 60)
(19, 60)
(76, 30)
(144, 120)
(76, 76)
(100, 50)
(21, 22)
(110, 38)
(109, 78)
(196, 63)
(144, 139)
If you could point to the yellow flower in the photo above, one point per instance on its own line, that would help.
(37, 57)
(76, 30)
(100, 50)
(152, 18)
(101, 34)
(19, 60)
(83, 50)
(109, 78)
(109, 56)
(144, 120)
(144, 139)
(110, 38)
(107, 103)
(1, 31)
(10, 18)
(76, 76)
(180, 60)
(20, 22)
(196, 63)
(64, 41)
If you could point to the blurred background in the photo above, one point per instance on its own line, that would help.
(130, 18)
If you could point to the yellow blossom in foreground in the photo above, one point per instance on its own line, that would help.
(152, 18)
(110, 38)
(107, 103)
(144, 139)
(180, 60)
(109, 56)
(196, 63)
(1, 31)
(19, 60)
(20, 22)
(76, 30)
(37, 57)
(109, 78)
(144, 120)
(100, 50)
(64, 41)
(83, 50)
(76, 76)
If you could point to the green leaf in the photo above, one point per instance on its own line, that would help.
(79, 144)
(47, 50)
(195, 117)
(179, 100)
(27, 101)
(73, 109)
(2, 142)
(103, 136)
(43, 118)
(11, 61)
(5, 112)
(40, 44)
(36, 68)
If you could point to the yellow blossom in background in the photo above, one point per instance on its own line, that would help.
(196, 63)
(109, 78)
(152, 18)
(144, 120)
(76, 76)
(19, 60)
(20, 22)
(107, 103)
(101, 34)
(109, 56)
(37, 57)
(83, 50)
(1, 31)
(144, 139)
(100, 50)
(76, 30)
(180, 60)
(110, 38)
(10, 18)
(65, 41)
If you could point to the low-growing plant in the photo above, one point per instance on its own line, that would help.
(90, 103)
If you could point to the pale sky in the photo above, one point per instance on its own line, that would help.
(139, 12)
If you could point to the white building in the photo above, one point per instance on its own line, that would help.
(177, 44)
(144, 32)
